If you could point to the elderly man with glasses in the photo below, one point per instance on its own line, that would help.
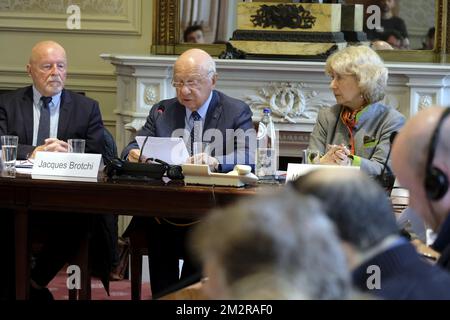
(198, 114)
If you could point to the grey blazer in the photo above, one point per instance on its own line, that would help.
(371, 134)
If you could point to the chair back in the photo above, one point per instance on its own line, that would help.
(110, 151)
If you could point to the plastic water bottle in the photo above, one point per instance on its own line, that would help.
(266, 151)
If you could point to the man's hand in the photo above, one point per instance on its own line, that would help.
(134, 155)
(51, 145)
(203, 158)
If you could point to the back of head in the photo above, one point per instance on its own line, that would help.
(420, 159)
(283, 242)
(357, 205)
(366, 65)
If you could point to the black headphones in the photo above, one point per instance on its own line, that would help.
(436, 182)
(173, 172)
(118, 168)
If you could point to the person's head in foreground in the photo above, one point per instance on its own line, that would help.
(358, 206)
(421, 162)
(280, 246)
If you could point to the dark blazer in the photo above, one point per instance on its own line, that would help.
(224, 112)
(442, 244)
(404, 276)
(79, 117)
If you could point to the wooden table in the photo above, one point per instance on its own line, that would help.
(155, 198)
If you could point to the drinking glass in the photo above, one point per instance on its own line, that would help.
(76, 145)
(9, 152)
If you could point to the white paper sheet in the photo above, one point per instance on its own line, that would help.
(171, 150)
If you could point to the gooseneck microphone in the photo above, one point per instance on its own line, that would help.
(387, 179)
(159, 111)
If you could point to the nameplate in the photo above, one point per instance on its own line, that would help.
(73, 165)
(296, 170)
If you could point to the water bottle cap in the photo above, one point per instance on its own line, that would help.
(266, 110)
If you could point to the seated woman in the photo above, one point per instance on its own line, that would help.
(356, 131)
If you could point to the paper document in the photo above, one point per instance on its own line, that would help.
(25, 164)
(171, 150)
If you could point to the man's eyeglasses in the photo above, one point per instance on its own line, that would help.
(191, 83)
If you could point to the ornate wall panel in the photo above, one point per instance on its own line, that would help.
(97, 16)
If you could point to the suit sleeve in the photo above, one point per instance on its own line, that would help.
(244, 151)
(23, 150)
(94, 135)
(318, 137)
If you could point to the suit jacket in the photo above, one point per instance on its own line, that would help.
(223, 113)
(371, 134)
(404, 276)
(79, 118)
(442, 244)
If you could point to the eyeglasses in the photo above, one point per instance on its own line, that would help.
(191, 83)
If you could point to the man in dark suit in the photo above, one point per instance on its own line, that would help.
(197, 111)
(421, 162)
(382, 262)
(44, 116)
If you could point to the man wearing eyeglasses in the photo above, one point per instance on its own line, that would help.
(194, 79)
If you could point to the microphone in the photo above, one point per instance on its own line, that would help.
(386, 178)
(159, 111)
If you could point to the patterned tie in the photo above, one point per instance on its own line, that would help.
(44, 121)
(196, 134)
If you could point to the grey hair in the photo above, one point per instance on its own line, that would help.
(357, 205)
(210, 66)
(366, 65)
(283, 235)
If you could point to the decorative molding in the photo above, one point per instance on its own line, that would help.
(425, 101)
(166, 22)
(151, 95)
(97, 17)
(135, 125)
(283, 16)
(288, 102)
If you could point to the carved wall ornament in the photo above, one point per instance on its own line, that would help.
(99, 7)
(135, 125)
(425, 101)
(283, 16)
(288, 102)
(150, 95)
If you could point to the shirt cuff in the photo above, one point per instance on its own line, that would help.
(356, 161)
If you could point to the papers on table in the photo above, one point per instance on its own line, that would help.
(24, 166)
(171, 150)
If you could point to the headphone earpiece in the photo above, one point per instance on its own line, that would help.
(436, 182)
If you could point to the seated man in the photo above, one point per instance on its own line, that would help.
(44, 116)
(383, 263)
(421, 161)
(198, 113)
(280, 246)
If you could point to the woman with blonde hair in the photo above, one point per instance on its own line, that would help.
(357, 130)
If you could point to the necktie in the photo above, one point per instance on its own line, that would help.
(44, 121)
(196, 134)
